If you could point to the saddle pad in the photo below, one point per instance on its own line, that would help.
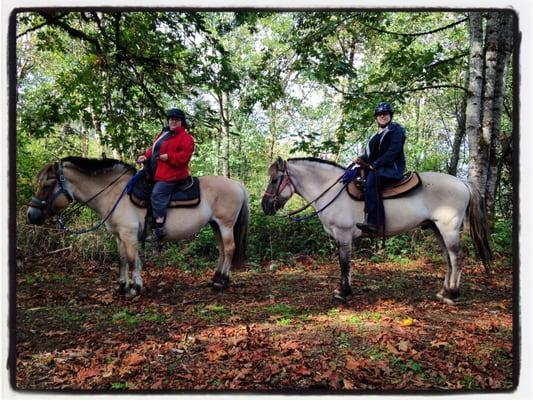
(410, 181)
(186, 194)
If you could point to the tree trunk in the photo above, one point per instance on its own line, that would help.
(224, 139)
(478, 164)
(459, 134)
(272, 130)
(503, 49)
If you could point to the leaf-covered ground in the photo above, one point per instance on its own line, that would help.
(274, 329)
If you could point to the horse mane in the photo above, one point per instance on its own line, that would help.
(95, 166)
(317, 160)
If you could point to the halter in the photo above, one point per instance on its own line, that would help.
(43, 204)
(284, 182)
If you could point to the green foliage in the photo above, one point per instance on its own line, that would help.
(287, 83)
(502, 236)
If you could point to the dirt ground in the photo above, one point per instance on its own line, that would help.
(275, 329)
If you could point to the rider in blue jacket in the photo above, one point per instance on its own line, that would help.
(386, 159)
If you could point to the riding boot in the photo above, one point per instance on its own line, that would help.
(158, 233)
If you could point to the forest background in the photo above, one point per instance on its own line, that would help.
(256, 85)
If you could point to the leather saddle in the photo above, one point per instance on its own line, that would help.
(185, 194)
(410, 181)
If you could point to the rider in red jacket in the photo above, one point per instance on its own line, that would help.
(168, 162)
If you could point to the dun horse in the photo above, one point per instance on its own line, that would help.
(224, 205)
(440, 203)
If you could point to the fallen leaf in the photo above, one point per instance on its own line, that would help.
(392, 348)
(157, 385)
(404, 345)
(352, 364)
(348, 384)
(408, 321)
(86, 373)
(436, 343)
(106, 299)
(56, 333)
(134, 359)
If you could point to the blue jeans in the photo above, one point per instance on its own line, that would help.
(374, 204)
(161, 197)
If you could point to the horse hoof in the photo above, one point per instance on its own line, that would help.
(341, 295)
(121, 288)
(132, 293)
(220, 282)
(340, 298)
(446, 297)
(220, 286)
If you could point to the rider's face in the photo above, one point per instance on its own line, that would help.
(174, 123)
(383, 119)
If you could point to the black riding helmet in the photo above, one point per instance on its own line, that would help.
(383, 107)
(177, 113)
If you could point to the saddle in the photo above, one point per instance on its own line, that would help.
(185, 194)
(410, 181)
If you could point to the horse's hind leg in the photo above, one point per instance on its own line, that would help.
(217, 281)
(449, 237)
(222, 275)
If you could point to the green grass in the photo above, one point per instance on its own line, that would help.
(132, 319)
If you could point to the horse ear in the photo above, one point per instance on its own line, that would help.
(276, 166)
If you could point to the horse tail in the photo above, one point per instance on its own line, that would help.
(240, 232)
(479, 229)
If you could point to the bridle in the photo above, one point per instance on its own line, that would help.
(286, 181)
(60, 176)
(48, 204)
(283, 183)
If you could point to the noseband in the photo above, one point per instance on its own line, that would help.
(44, 204)
(284, 182)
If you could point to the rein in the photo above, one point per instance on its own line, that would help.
(286, 180)
(61, 216)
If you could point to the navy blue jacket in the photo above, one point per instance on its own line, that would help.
(384, 151)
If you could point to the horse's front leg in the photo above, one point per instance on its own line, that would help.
(345, 261)
(135, 262)
(123, 283)
(129, 256)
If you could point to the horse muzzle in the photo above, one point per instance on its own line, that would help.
(270, 205)
(35, 215)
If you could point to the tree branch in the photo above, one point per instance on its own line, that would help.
(34, 28)
(53, 20)
(418, 33)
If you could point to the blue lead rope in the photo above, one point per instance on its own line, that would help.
(93, 228)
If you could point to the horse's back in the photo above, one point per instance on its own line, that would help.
(444, 186)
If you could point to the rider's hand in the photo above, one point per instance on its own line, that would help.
(141, 159)
(163, 157)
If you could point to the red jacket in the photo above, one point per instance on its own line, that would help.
(179, 148)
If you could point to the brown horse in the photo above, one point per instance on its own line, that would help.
(224, 205)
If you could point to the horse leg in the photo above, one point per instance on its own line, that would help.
(222, 275)
(449, 238)
(135, 261)
(220, 246)
(345, 261)
(123, 283)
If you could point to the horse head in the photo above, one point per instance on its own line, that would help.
(51, 196)
(280, 187)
